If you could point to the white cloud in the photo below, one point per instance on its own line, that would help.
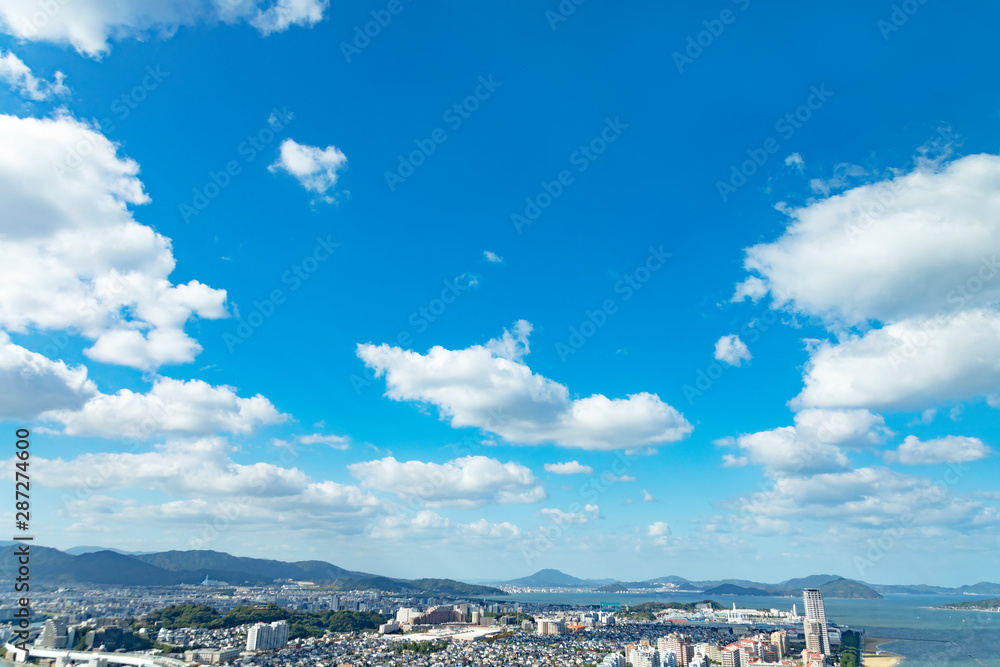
(492, 257)
(438, 530)
(732, 350)
(569, 468)
(75, 259)
(170, 407)
(561, 518)
(335, 441)
(795, 160)
(315, 168)
(730, 461)
(30, 383)
(201, 467)
(893, 249)
(490, 388)
(287, 13)
(90, 25)
(949, 449)
(648, 497)
(904, 274)
(814, 444)
(659, 531)
(865, 497)
(471, 481)
(752, 288)
(907, 365)
(18, 76)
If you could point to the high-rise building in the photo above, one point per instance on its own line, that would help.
(266, 636)
(815, 612)
(53, 634)
(780, 641)
(731, 656)
(680, 646)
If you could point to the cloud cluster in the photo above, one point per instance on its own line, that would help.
(471, 481)
(814, 444)
(172, 407)
(90, 25)
(904, 273)
(18, 76)
(76, 259)
(489, 387)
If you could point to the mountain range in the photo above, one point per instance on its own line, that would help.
(88, 564)
(831, 585)
(113, 567)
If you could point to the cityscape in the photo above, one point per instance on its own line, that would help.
(549, 333)
(145, 626)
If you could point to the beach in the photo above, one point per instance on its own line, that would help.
(872, 658)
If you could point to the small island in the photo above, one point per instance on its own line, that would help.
(990, 604)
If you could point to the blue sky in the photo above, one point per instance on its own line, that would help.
(708, 291)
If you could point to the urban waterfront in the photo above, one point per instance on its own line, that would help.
(927, 632)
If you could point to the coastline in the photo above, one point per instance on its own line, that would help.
(873, 656)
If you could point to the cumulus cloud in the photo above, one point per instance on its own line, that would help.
(907, 365)
(492, 257)
(732, 350)
(18, 76)
(569, 468)
(949, 449)
(888, 250)
(795, 160)
(90, 25)
(903, 272)
(315, 168)
(490, 388)
(814, 444)
(31, 383)
(284, 14)
(561, 518)
(468, 482)
(76, 259)
(865, 497)
(659, 531)
(201, 467)
(171, 406)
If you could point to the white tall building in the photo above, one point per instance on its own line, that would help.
(266, 636)
(815, 612)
